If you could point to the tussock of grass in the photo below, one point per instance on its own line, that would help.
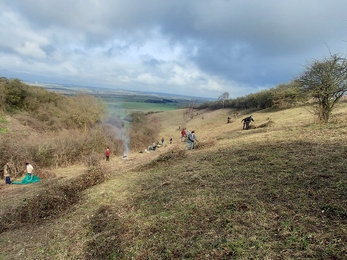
(266, 124)
(170, 157)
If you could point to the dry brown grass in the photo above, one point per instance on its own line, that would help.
(50, 200)
(273, 192)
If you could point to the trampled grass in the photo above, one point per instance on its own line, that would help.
(277, 192)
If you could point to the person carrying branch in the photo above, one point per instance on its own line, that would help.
(246, 121)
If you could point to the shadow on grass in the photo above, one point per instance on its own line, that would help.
(273, 201)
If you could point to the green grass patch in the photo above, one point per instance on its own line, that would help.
(3, 120)
(122, 109)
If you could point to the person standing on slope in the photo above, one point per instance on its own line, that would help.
(191, 138)
(7, 174)
(107, 154)
(246, 121)
(183, 134)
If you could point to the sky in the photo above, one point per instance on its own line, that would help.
(197, 48)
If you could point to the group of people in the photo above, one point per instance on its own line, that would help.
(29, 178)
(154, 146)
(188, 137)
(158, 144)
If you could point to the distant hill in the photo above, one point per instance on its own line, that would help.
(99, 91)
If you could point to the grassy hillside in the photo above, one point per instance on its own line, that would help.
(277, 191)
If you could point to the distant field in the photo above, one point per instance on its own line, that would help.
(124, 108)
(121, 102)
(135, 106)
(124, 105)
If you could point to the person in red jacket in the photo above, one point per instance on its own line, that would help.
(183, 135)
(107, 153)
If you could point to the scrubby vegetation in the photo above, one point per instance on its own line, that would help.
(282, 96)
(52, 130)
(51, 201)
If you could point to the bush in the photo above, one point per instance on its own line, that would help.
(142, 133)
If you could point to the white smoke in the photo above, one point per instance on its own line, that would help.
(126, 141)
(120, 132)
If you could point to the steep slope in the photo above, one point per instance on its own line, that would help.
(277, 191)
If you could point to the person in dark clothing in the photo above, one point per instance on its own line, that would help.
(154, 146)
(7, 174)
(246, 121)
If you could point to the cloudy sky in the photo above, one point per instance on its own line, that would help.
(189, 47)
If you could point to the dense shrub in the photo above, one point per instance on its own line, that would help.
(142, 133)
(282, 96)
(13, 93)
(56, 130)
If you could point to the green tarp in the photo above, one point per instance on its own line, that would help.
(28, 179)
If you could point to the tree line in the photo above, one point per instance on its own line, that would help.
(323, 83)
(283, 96)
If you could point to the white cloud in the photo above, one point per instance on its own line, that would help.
(31, 49)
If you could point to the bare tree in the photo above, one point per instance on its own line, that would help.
(222, 98)
(188, 113)
(326, 82)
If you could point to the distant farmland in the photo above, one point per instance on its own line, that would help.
(123, 108)
(121, 103)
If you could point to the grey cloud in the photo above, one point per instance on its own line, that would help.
(233, 44)
(153, 62)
